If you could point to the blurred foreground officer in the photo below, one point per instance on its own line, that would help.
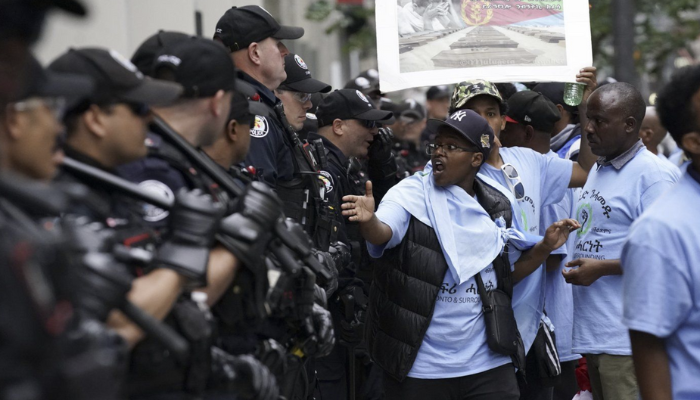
(661, 262)
(31, 129)
(626, 180)
(347, 128)
(107, 132)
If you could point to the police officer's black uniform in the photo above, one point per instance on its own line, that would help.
(345, 176)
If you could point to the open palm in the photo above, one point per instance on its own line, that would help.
(359, 208)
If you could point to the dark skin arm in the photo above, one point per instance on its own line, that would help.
(586, 158)
(589, 270)
(361, 209)
(555, 236)
(651, 366)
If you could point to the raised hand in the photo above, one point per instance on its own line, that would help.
(588, 76)
(359, 208)
(558, 233)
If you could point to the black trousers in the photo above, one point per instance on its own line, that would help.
(495, 384)
(567, 387)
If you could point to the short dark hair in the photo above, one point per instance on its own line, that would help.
(421, 3)
(674, 103)
(633, 104)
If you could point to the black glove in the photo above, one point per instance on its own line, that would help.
(104, 285)
(380, 149)
(323, 327)
(250, 230)
(193, 222)
(327, 261)
(244, 375)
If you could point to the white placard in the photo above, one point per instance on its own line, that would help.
(438, 42)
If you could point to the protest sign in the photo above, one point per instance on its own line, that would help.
(436, 42)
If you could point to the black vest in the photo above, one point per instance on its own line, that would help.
(405, 287)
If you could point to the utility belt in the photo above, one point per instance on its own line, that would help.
(154, 370)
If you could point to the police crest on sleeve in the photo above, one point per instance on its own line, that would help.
(261, 127)
(152, 213)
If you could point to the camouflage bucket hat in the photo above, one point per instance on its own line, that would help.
(467, 90)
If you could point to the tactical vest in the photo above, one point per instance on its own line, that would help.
(303, 197)
(397, 320)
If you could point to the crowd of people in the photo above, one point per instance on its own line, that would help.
(206, 220)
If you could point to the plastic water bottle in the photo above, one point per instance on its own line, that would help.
(573, 93)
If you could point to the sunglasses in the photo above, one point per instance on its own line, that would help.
(139, 109)
(367, 124)
(513, 180)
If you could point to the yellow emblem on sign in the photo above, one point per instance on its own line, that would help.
(476, 12)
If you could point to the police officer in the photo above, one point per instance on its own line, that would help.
(367, 82)
(296, 91)
(43, 335)
(254, 37)
(409, 147)
(348, 128)
(276, 152)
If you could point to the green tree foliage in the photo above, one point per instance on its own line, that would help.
(356, 23)
(662, 28)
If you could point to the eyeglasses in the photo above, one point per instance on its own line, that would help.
(367, 124)
(301, 97)
(57, 105)
(448, 148)
(513, 180)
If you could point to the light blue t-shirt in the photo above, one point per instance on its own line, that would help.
(608, 204)
(559, 300)
(661, 281)
(455, 342)
(545, 180)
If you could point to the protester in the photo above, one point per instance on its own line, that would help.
(535, 181)
(659, 260)
(426, 345)
(530, 119)
(566, 135)
(652, 133)
(606, 213)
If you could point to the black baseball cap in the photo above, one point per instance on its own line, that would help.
(201, 66)
(554, 91)
(43, 83)
(367, 82)
(116, 78)
(241, 26)
(244, 110)
(349, 104)
(144, 57)
(299, 77)
(532, 108)
(438, 92)
(470, 125)
(407, 111)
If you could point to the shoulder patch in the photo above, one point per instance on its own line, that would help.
(327, 180)
(260, 128)
(152, 213)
